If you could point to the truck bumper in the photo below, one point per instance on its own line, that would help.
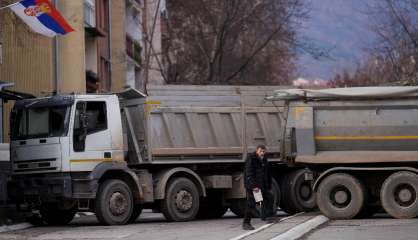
(40, 188)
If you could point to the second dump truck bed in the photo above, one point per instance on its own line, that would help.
(200, 124)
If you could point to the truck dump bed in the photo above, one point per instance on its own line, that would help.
(353, 125)
(199, 124)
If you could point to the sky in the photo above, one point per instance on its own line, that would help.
(340, 26)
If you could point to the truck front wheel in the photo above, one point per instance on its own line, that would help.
(135, 213)
(114, 203)
(399, 195)
(181, 201)
(341, 196)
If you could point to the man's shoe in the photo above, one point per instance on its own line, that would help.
(247, 226)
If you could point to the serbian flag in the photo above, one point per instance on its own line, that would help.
(42, 17)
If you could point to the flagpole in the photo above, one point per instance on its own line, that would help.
(10, 5)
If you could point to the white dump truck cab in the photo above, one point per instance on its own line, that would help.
(61, 147)
(65, 134)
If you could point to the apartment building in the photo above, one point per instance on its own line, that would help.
(115, 45)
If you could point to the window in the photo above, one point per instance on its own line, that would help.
(95, 115)
(41, 122)
(89, 13)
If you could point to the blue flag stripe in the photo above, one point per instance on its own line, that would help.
(50, 23)
(28, 3)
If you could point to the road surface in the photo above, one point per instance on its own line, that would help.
(153, 226)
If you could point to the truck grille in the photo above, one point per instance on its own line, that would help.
(35, 165)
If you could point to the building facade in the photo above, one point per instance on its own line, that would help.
(115, 45)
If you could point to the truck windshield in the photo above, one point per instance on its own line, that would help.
(41, 122)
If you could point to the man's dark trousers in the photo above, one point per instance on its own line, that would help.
(266, 209)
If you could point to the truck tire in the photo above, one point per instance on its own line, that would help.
(135, 213)
(56, 217)
(399, 195)
(35, 220)
(301, 191)
(286, 203)
(276, 192)
(114, 203)
(211, 206)
(181, 201)
(341, 196)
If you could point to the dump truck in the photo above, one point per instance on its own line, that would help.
(179, 150)
(361, 145)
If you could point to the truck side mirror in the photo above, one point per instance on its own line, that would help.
(80, 129)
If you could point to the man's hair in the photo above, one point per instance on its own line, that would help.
(262, 146)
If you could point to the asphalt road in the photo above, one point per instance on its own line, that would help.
(153, 226)
(148, 226)
(379, 227)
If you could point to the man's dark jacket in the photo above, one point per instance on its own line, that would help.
(257, 173)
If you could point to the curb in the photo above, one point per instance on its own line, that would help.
(15, 227)
(302, 229)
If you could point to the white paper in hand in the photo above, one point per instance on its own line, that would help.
(258, 197)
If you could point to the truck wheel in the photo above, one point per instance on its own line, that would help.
(399, 195)
(54, 216)
(181, 201)
(135, 213)
(341, 196)
(287, 205)
(211, 206)
(35, 220)
(275, 191)
(299, 192)
(114, 203)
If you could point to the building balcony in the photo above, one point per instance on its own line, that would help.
(89, 14)
(133, 50)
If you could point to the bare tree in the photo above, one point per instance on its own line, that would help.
(230, 42)
(392, 60)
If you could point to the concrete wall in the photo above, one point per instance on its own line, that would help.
(72, 49)
(118, 46)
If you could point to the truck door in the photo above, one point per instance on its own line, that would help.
(91, 138)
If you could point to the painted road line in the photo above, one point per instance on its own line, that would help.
(264, 227)
(15, 227)
(302, 229)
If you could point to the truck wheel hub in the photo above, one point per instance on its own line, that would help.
(341, 197)
(405, 195)
(118, 204)
(183, 200)
(305, 192)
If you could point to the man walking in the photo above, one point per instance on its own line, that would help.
(258, 178)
